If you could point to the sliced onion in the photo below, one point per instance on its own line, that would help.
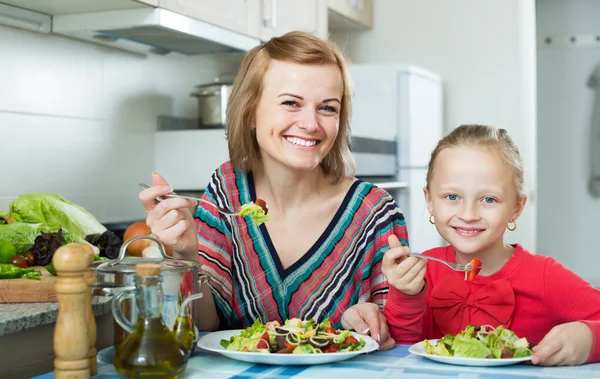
(280, 331)
(319, 341)
(292, 339)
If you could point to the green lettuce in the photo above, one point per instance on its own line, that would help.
(53, 212)
(437, 349)
(20, 234)
(469, 347)
(255, 212)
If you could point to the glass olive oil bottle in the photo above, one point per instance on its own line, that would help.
(151, 350)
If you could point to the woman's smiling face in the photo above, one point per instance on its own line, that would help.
(297, 118)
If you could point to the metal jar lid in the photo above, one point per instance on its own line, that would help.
(214, 88)
(127, 265)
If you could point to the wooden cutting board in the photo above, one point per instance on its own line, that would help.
(27, 290)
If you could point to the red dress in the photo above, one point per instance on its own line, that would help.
(530, 295)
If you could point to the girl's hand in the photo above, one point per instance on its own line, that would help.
(405, 273)
(170, 219)
(367, 318)
(567, 344)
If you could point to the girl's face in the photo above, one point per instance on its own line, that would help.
(472, 196)
(297, 118)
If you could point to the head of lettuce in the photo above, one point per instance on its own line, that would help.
(32, 214)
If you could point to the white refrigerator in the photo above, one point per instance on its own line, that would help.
(402, 105)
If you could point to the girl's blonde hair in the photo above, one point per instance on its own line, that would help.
(295, 47)
(485, 136)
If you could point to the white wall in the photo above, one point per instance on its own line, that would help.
(568, 215)
(484, 50)
(79, 120)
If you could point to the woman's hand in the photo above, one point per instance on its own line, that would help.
(567, 344)
(366, 317)
(170, 219)
(405, 273)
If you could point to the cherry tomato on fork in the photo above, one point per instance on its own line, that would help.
(476, 265)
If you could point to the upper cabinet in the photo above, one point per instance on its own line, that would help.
(56, 7)
(242, 16)
(282, 16)
(185, 26)
(350, 14)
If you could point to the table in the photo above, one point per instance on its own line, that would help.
(394, 363)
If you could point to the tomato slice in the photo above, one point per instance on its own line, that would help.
(476, 265)
(265, 337)
(330, 349)
(331, 331)
(350, 339)
(262, 344)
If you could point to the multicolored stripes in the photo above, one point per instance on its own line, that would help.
(342, 268)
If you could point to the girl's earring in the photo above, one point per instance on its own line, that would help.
(431, 220)
(511, 227)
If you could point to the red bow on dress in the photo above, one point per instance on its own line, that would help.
(454, 307)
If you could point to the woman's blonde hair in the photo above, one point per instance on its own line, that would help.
(484, 136)
(295, 47)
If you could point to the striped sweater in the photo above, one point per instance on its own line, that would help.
(342, 268)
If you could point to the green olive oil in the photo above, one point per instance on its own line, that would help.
(151, 350)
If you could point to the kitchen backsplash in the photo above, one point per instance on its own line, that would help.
(80, 120)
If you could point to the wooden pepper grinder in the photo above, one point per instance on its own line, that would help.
(71, 341)
(90, 279)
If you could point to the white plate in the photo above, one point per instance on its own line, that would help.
(212, 342)
(419, 349)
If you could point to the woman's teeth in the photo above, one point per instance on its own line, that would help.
(301, 142)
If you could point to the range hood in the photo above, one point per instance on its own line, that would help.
(151, 30)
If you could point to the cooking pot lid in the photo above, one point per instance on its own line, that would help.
(127, 265)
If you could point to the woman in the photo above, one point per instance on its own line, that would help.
(319, 255)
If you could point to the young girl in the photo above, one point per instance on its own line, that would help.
(474, 193)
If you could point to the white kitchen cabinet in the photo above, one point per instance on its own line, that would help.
(282, 16)
(350, 14)
(62, 7)
(242, 16)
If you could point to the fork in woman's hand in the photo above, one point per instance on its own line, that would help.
(261, 203)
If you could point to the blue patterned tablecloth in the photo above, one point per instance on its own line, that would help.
(395, 363)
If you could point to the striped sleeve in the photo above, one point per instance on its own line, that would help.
(214, 250)
(389, 220)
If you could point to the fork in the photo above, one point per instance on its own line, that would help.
(173, 194)
(454, 266)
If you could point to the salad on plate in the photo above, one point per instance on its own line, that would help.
(481, 342)
(295, 336)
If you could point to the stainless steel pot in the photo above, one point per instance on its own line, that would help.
(212, 101)
(181, 278)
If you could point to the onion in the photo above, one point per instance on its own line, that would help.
(151, 251)
(136, 248)
(319, 341)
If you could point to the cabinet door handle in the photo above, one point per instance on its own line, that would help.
(273, 13)
(272, 21)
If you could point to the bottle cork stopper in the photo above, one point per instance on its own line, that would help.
(147, 269)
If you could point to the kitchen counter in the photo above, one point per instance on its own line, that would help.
(28, 328)
(15, 317)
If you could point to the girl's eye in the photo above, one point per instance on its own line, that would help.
(489, 200)
(290, 103)
(451, 197)
(329, 109)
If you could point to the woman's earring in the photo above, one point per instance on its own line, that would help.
(513, 227)
(431, 220)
